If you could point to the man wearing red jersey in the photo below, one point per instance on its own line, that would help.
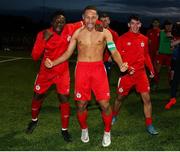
(133, 48)
(52, 43)
(105, 19)
(153, 36)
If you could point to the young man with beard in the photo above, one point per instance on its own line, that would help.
(90, 74)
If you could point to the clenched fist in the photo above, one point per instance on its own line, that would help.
(124, 67)
(48, 63)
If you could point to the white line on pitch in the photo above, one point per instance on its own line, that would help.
(15, 57)
(10, 60)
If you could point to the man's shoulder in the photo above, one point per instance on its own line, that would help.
(142, 36)
(42, 31)
(123, 36)
(79, 30)
(112, 31)
(105, 32)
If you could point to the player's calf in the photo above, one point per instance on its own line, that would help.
(170, 103)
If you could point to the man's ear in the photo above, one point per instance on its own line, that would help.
(109, 21)
(140, 25)
(128, 24)
(83, 16)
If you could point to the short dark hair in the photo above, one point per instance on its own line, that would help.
(134, 17)
(104, 15)
(155, 19)
(57, 13)
(167, 22)
(90, 7)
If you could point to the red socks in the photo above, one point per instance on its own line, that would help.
(114, 113)
(107, 121)
(65, 113)
(148, 121)
(170, 103)
(35, 108)
(82, 117)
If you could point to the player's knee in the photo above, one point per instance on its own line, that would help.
(119, 98)
(105, 107)
(63, 98)
(81, 107)
(38, 97)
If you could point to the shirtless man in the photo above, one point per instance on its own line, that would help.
(90, 73)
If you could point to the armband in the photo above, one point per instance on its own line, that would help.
(111, 46)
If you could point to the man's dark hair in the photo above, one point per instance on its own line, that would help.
(104, 15)
(90, 7)
(167, 22)
(57, 13)
(134, 17)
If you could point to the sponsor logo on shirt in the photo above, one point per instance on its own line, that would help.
(142, 44)
(121, 90)
(128, 43)
(38, 87)
(78, 95)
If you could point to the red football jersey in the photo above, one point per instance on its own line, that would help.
(153, 35)
(133, 48)
(55, 46)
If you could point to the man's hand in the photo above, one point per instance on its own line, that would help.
(124, 67)
(47, 35)
(151, 75)
(99, 27)
(48, 63)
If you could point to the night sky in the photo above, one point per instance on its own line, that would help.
(118, 9)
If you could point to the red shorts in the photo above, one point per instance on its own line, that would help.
(164, 59)
(139, 80)
(45, 79)
(91, 76)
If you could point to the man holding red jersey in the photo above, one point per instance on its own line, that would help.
(133, 48)
(52, 43)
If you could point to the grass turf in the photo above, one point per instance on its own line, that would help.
(16, 90)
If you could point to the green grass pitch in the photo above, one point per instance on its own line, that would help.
(16, 90)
